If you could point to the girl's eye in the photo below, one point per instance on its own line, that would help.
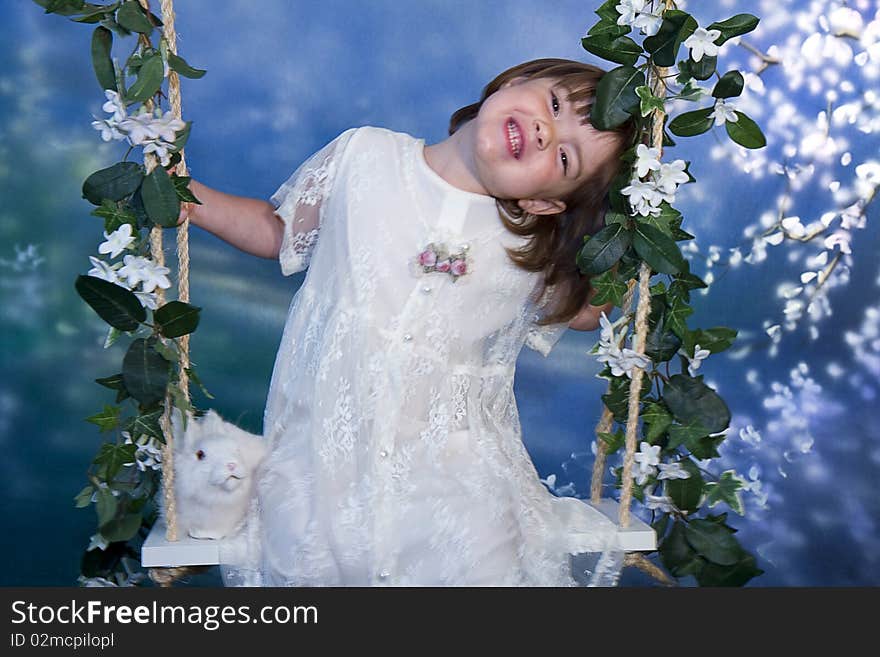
(555, 102)
(564, 162)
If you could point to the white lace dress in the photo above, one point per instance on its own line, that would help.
(396, 455)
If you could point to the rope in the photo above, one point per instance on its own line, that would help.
(658, 88)
(165, 576)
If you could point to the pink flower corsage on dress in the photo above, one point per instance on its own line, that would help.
(437, 257)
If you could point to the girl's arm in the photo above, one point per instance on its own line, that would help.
(248, 224)
(588, 317)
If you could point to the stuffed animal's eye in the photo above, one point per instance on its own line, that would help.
(200, 455)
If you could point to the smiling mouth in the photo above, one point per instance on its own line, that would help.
(514, 138)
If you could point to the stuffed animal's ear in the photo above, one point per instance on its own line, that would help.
(181, 424)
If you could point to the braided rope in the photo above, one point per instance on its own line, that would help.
(164, 576)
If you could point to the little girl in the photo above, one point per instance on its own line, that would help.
(395, 451)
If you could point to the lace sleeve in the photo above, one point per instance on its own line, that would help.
(543, 338)
(300, 203)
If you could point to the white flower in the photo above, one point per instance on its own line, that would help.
(138, 269)
(148, 454)
(147, 299)
(723, 112)
(699, 356)
(117, 241)
(660, 502)
(167, 126)
(607, 334)
(139, 128)
(160, 148)
(643, 197)
(628, 10)
(109, 130)
(649, 23)
(647, 159)
(673, 471)
(114, 104)
(702, 42)
(97, 541)
(648, 455)
(670, 176)
(104, 271)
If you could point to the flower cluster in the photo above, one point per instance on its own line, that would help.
(133, 271)
(148, 454)
(645, 196)
(155, 132)
(621, 360)
(439, 258)
(648, 461)
(636, 14)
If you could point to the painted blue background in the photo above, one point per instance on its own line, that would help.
(286, 77)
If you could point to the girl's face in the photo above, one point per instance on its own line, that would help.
(530, 145)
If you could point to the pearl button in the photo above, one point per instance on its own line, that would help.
(426, 289)
(383, 453)
(407, 337)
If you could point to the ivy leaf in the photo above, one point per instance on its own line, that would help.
(686, 434)
(102, 43)
(676, 27)
(84, 497)
(737, 574)
(95, 13)
(115, 304)
(181, 186)
(111, 458)
(691, 400)
(658, 420)
(706, 447)
(132, 17)
(677, 555)
(114, 183)
(745, 132)
(726, 490)
(609, 28)
(145, 372)
(107, 419)
(692, 123)
(148, 424)
(730, 85)
(734, 26)
(648, 102)
(114, 216)
(149, 80)
(713, 542)
(678, 312)
(179, 65)
(177, 318)
(686, 493)
(616, 98)
(715, 339)
(603, 249)
(613, 441)
(609, 288)
(191, 373)
(160, 198)
(105, 505)
(620, 49)
(657, 249)
(123, 527)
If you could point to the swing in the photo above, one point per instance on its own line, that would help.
(169, 556)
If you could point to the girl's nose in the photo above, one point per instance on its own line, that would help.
(542, 134)
(231, 465)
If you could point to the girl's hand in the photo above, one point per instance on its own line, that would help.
(186, 209)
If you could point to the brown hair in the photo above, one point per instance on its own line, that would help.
(556, 239)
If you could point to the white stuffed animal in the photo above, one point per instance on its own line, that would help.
(215, 464)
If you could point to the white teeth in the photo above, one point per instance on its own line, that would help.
(514, 137)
